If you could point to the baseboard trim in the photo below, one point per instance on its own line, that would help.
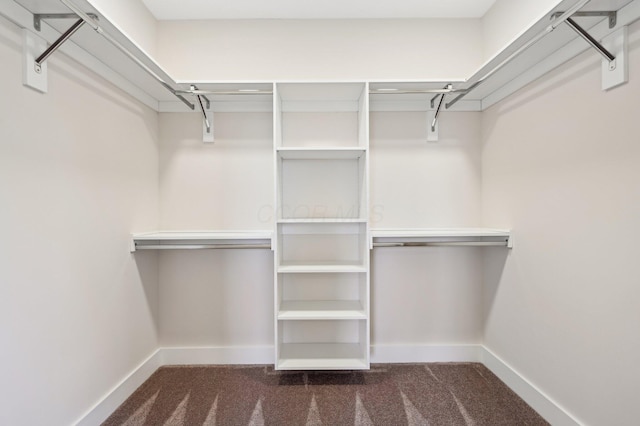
(549, 409)
(240, 355)
(545, 406)
(425, 353)
(113, 399)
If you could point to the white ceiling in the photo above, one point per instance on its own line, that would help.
(316, 9)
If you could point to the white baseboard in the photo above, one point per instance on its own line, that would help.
(545, 406)
(241, 355)
(103, 409)
(425, 353)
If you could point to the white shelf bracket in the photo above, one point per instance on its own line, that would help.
(432, 116)
(617, 44)
(207, 116)
(31, 45)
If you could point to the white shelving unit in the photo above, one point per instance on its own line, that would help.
(321, 239)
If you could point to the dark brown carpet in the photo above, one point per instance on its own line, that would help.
(465, 394)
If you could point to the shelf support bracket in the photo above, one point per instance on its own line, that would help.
(432, 116)
(39, 17)
(56, 44)
(612, 15)
(592, 41)
(207, 131)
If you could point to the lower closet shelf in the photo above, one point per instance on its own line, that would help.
(189, 240)
(292, 267)
(321, 309)
(322, 356)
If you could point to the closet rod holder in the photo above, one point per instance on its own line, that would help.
(555, 24)
(97, 28)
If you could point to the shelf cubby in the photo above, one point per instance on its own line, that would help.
(322, 296)
(323, 345)
(322, 184)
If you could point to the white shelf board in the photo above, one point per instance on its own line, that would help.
(320, 92)
(310, 153)
(321, 356)
(203, 235)
(328, 220)
(321, 267)
(438, 232)
(321, 310)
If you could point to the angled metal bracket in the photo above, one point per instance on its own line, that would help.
(207, 133)
(592, 41)
(435, 118)
(37, 20)
(613, 16)
(432, 134)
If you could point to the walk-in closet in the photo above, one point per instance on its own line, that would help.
(395, 213)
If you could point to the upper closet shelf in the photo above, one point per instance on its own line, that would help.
(202, 240)
(410, 237)
(546, 44)
(105, 49)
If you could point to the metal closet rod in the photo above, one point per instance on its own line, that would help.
(437, 92)
(561, 19)
(445, 244)
(200, 246)
(89, 21)
(198, 92)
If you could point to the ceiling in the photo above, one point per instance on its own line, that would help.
(316, 9)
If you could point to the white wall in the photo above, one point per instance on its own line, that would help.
(224, 298)
(216, 297)
(78, 174)
(238, 50)
(422, 296)
(507, 19)
(560, 165)
(132, 18)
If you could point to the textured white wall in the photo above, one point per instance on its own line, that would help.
(78, 174)
(313, 50)
(560, 165)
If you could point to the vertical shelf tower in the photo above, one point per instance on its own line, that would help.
(321, 133)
